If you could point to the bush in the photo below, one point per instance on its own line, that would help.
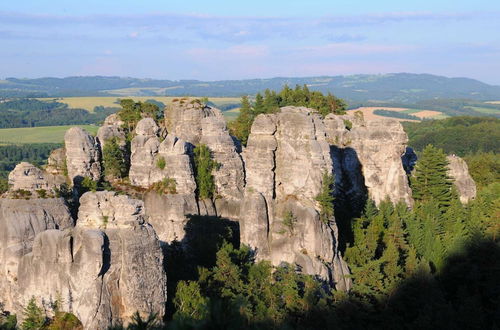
(289, 221)
(204, 165)
(166, 186)
(348, 124)
(161, 163)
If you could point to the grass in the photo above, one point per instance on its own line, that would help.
(90, 102)
(46, 134)
(488, 111)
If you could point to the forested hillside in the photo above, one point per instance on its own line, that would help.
(458, 135)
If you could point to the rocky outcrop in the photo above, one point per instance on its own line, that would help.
(152, 161)
(459, 172)
(82, 155)
(377, 145)
(106, 268)
(56, 163)
(20, 222)
(195, 123)
(111, 128)
(29, 178)
(286, 158)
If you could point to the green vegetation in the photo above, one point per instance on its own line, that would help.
(204, 165)
(34, 317)
(289, 221)
(484, 168)
(429, 180)
(132, 112)
(348, 124)
(395, 114)
(161, 163)
(36, 135)
(459, 135)
(165, 186)
(272, 101)
(11, 155)
(34, 113)
(325, 197)
(114, 159)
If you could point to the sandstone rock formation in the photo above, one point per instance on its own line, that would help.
(56, 164)
(28, 177)
(459, 172)
(106, 268)
(286, 157)
(111, 128)
(82, 155)
(20, 221)
(195, 123)
(377, 145)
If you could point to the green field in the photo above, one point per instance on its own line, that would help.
(90, 102)
(48, 134)
(488, 111)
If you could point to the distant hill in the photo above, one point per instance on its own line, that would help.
(404, 88)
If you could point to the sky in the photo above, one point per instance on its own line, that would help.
(218, 40)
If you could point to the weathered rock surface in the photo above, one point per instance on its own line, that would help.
(285, 159)
(20, 221)
(195, 123)
(28, 177)
(378, 146)
(111, 128)
(56, 164)
(459, 172)
(82, 155)
(106, 268)
(147, 151)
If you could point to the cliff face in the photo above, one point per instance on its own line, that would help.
(108, 263)
(104, 269)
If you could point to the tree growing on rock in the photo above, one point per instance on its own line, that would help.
(204, 165)
(113, 158)
(325, 197)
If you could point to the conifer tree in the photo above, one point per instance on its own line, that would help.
(204, 165)
(325, 197)
(430, 178)
(34, 317)
(113, 159)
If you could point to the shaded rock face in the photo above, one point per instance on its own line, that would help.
(106, 268)
(459, 172)
(285, 159)
(378, 145)
(197, 124)
(82, 155)
(20, 222)
(26, 176)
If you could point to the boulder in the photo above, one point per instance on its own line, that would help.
(459, 172)
(112, 128)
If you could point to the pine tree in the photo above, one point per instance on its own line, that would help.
(34, 317)
(204, 165)
(430, 178)
(325, 197)
(113, 159)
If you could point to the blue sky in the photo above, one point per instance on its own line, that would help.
(214, 40)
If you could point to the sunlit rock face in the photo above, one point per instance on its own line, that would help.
(83, 156)
(104, 269)
(459, 172)
(286, 158)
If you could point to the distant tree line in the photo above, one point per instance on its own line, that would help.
(395, 114)
(33, 113)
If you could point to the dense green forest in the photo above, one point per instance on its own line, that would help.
(458, 135)
(395, 114)
(32, 112)
(272, 101)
